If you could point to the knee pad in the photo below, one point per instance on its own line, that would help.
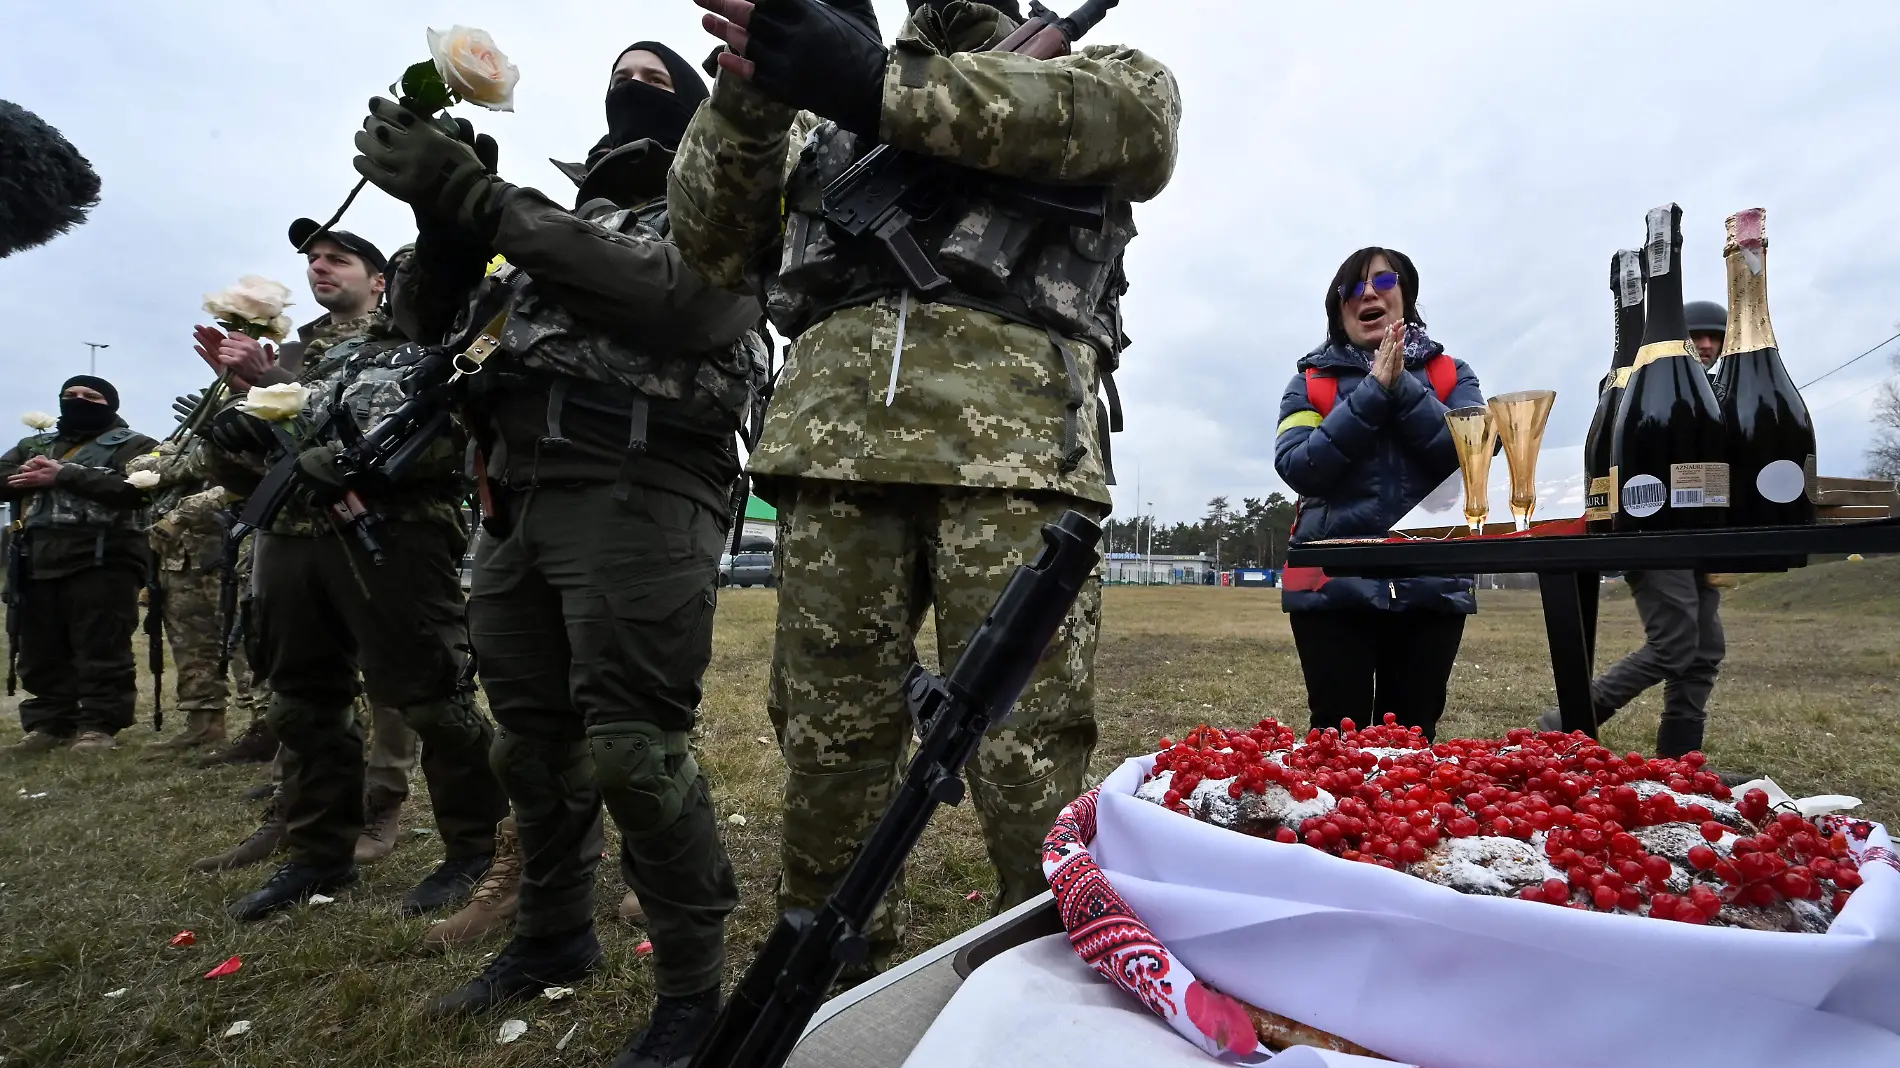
(308, 728)
(646, 775)
(451, 723)
(530, 766)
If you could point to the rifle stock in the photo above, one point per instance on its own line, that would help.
(806, 951)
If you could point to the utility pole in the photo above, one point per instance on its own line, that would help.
(92, 356)
(1149, 573)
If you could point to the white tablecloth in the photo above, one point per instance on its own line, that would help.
(1039, 1006)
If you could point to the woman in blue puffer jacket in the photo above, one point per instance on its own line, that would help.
(1362, 439)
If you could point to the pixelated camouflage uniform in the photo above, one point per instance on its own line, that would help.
(933, 499)
(187, 533)
(323, 611)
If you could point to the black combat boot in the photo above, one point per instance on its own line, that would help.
(673, 1033)
(290, 884)
(525, 967)
(449, 884)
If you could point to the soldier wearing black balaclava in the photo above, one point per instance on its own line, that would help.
(81, 526)
(605, 429)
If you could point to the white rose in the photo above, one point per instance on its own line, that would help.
(254, 299)
(276, 403)
(143, 480)
(38, 420)
(278, 329)
(474, 68)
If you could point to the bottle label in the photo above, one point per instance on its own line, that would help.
(1629, 277)
(1644, 496)
(1782, 482)
(1598, 504)
(1659, 350)
(1698, 485)
(1656, 248)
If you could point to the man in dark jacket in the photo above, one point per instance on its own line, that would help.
(81, 527)
(1367, 646)
(327, 608)
(605, 427)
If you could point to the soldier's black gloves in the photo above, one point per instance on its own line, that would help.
(187, 404)
(820, 59)
(428, 165)
(319, 466)
(237, 431)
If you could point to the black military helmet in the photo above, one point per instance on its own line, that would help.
(1706, 317)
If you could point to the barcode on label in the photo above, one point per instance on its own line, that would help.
(1657, 247)
(1630, 276)
(1687, 498)
(1646, 494)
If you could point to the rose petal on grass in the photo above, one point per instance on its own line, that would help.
(736, 820)
(974, 895)
(556, 993)
(643, 948)
(239, 1028)
(119, 993)
(511, 1030)
(184, 938)
(229, 967)
(763, 740)
(322, 899)
(566, 1038)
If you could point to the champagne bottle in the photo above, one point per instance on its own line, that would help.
(1667, 453)
(1626, 295)
(1770, 434)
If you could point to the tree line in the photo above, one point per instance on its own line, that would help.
(1253, 535)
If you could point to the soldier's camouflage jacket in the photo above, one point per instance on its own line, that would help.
(981, 399)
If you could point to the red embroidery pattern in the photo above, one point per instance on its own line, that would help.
(1111, 939)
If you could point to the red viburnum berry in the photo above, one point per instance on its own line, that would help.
(1287, 835)
(1702, 858)
(1713, 831)
(1604, 897)
(1846, 878)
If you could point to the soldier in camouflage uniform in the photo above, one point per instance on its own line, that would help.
(324, 608)
(606, 426)
(187, 534)
(916, 444)
(82, 528)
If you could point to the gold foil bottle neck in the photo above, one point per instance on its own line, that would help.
(1662, 350)
(1746, 250)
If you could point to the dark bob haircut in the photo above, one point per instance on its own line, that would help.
(1354, 270)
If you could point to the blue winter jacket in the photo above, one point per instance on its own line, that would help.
(1359, 470)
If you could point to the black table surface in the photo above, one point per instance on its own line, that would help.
(1732, 549)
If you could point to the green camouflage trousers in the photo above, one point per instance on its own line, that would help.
(860, 565)
(195, 630)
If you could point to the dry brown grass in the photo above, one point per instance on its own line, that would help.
(93, 877)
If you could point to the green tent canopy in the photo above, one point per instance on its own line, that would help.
(759, 510)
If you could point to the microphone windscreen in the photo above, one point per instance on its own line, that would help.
(46, 186)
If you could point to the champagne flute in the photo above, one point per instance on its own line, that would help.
(1520, 420)
(1474, 433)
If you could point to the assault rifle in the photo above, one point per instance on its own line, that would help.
(888, 190)
(15, 596)
(806, 952)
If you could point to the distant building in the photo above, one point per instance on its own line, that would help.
(1138, 569)
(761, 521)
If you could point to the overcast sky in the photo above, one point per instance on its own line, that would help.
(1508, 148)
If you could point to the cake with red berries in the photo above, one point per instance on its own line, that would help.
(1547, 817)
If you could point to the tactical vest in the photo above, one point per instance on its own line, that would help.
(57, 508)
(711, 390)
(999, 255)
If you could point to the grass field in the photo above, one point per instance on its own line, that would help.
(94, 880)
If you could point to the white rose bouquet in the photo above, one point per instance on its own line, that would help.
(463, 66)
(254, 306)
